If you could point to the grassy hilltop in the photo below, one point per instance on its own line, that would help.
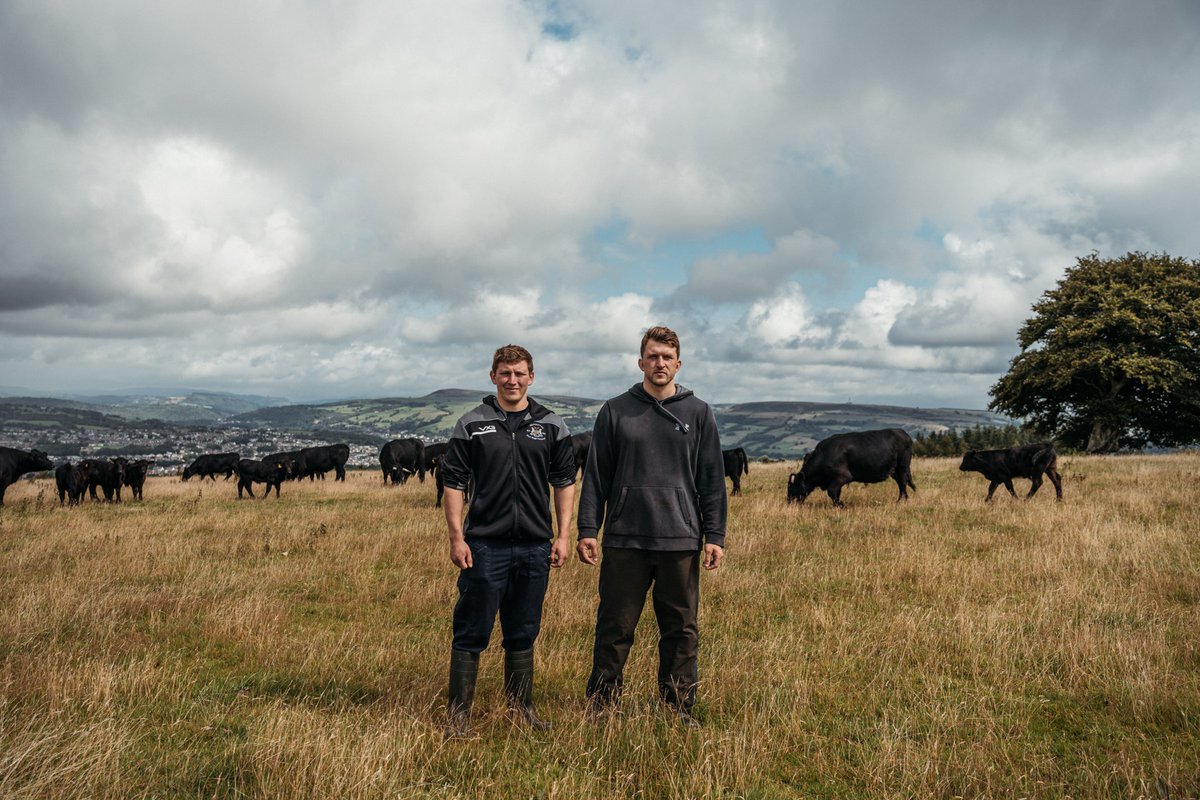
(195, 646)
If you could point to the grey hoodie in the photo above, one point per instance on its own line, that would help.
(654, 478)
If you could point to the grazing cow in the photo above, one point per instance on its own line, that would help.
(71, 480)
(433, 464)
(212, 465)
(293, 460)
(862, 457)
(135, 475)
(319, 460)
(434, 453)
(108, 475)
(581, 443)
(249, 471)
(736, 464)
(1024, 461)
(400, 458)
(14, 463)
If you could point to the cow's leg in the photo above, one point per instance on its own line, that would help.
(341, 473)
(1035, 483)
(1008, 485)
(835, 493)
(737, 485)
(898, 476)
(1056, 479)
(991, 490)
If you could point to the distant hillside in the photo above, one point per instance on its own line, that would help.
(431, 417)
(779, 429)
(191, 408)
(790, 429)
(772, 429)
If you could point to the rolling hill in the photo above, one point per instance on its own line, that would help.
(775, 429)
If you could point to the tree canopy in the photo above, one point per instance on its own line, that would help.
(1111, 356)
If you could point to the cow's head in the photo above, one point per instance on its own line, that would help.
(39, 461)
(798, 489)
(970, 461)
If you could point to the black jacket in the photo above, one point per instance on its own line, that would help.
(511, 470)
(654, 479)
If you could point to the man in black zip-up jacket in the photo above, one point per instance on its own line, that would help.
(655, 481)
(510, 447)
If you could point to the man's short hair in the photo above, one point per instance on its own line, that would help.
(662, 335)
(511, 354)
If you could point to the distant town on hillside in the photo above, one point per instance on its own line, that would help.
(173, 429)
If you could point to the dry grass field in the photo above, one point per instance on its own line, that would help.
(192, 645)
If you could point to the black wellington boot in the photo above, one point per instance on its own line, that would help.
(463, 669)
(518, 688)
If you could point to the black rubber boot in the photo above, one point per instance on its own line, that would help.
(518, 688)
(464, 667)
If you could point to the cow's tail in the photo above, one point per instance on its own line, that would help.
(745, 461)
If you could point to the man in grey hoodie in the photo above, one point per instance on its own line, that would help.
(655, 482)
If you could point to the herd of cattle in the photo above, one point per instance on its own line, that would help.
(860, 457)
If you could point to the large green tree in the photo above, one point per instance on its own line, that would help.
(1111, 356)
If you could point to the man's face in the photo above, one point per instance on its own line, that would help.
(659, 363)
(512, 381)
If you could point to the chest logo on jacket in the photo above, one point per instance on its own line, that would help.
(536, 432)
(483, 430)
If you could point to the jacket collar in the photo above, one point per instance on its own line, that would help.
(535, 410)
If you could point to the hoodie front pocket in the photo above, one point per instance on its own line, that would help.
(654, 508)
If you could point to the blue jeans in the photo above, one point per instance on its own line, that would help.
(506, 576)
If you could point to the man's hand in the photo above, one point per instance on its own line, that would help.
(713, 554)
(560, 551)
(587, 550)
(460, 554)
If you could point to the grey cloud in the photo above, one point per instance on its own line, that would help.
(25, 292)
(955, 325)
(738, 278)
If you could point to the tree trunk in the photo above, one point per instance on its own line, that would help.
(1103, 438)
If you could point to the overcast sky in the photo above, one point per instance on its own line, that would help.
(827, 200)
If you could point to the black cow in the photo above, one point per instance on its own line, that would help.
(581, 443)
(400, 458)
(293, 460)
(108, 475)
(135, 475)
(321, 459)
(862, 457)
(1024, 461)
(14, 463)
(433, 454)
(71, 480)
(433, 463)
(249, 471)
(212, 465)
(736, 464)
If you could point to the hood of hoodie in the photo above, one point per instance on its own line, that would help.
(639, 392)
